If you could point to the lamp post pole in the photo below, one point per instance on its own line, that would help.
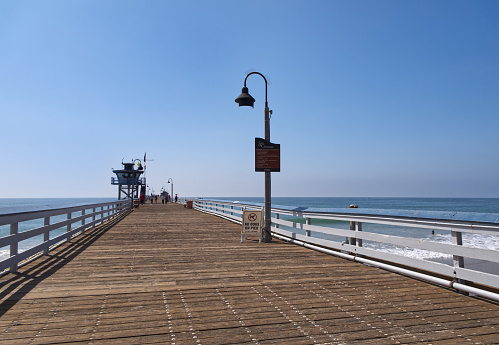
(170, 180)
(267, 237)
(245, 99)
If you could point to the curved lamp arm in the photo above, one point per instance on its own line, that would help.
(266, 103)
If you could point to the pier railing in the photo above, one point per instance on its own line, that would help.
(46, 229)
(389, 239)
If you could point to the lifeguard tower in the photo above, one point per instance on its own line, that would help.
(128, 181)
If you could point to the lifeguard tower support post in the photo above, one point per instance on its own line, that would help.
(128, 181)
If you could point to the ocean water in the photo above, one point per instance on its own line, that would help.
(16, 205)
(480, 205)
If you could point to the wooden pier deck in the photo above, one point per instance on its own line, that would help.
(170, 275)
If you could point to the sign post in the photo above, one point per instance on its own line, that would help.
(252, 223)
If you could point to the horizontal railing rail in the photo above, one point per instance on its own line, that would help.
(55, 225)
(364, 234)
(128, 180)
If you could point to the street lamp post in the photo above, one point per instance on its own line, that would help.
(245, 99)
(170, 180)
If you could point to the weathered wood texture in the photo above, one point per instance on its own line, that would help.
(169, 275)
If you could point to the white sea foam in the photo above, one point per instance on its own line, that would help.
(4, 254)
(469, 240)
(5, 251)
(406, 251)
(481, 241)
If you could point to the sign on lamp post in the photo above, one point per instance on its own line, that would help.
(267, 156)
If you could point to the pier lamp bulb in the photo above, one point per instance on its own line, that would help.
(245, 99)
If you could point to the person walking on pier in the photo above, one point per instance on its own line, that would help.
(176, 198)
(152, 198)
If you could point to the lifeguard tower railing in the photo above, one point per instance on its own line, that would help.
(44, 230)
(132, 181)
(364, 235)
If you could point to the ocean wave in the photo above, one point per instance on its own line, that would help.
(4, 254)
(414, 253)
(469, 240)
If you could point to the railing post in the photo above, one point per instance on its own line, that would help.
(93, 217)
(352, 227)
(46, 235)
(457, 238)
(358, 227)
(83, 221)
(277, 217)
(14, 246)
(68, 227)
(231, 210)
(242, 222)
(308, 221)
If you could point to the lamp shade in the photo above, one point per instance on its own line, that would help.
(245, 99)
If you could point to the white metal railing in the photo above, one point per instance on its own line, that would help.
(358, 234)
(65, 223)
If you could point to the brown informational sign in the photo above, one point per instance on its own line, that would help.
(267, 156)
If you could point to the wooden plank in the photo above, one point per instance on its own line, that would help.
(165, 274)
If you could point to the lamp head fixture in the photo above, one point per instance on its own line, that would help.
(245, 99)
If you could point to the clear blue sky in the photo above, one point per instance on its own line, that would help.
(370, 98)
